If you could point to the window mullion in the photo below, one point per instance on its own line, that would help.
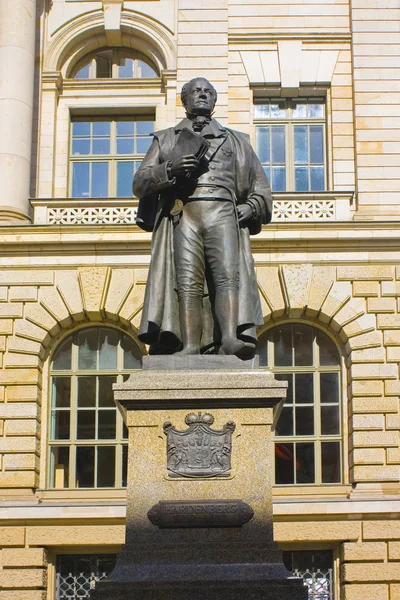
(294, 461)
(112, 160)
(325, 154)
(73, 425)
(95, 466)
(111, 177)
(294, 404)
(290, 157)
(118, 463)
(317, 404)
(318, 461)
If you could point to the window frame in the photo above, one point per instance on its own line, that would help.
(317, 437)
(289, 123)
(112, 158)
(119, 442)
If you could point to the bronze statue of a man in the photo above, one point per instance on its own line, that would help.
(202, 192)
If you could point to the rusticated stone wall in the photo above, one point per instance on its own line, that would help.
(359, 305)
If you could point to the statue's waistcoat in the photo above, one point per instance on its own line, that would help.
(219, 180)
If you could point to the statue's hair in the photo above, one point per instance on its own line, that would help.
(185, 90)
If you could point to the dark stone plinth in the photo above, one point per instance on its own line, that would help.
(270, 589)
(213, 581)
(234, 561)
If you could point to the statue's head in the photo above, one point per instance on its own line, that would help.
(199, 96)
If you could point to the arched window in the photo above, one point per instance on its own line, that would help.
(114, 63)
(87, 436)
(308, 434)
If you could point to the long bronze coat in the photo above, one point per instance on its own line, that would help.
(160, 326)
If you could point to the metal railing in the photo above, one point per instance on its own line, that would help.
(78, 587)
(320, 583)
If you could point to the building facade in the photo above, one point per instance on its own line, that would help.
(316, 85)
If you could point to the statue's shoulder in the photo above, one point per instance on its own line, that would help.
(164, 134)
(239, 135)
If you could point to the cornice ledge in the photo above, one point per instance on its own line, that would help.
(343, 507)
(107, 84)
(257, 37)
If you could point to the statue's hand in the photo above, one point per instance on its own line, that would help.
(244, 212)
(184, 165)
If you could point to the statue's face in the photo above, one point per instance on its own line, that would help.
(201, 97)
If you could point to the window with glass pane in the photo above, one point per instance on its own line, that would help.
(308, 433)
(88, 439)
(106, 153)
(115, 63)
(290, 140)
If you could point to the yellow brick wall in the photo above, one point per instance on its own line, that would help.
(359, 305)
(202, 47)
(289, 16)
(369, 550)
(377, 105)
(37, 307)
(23, 572)
(371, 566)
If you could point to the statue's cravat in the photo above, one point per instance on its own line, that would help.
(199, 122)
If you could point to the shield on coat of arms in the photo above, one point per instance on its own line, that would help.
(199, 451)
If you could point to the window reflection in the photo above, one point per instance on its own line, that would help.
(305, 463)
(88, 439)
(304, 388)
(62, 356)
(330, 454)
(115, 63)
(308, 442)
(303, 345)
(292, 151)
(105, 154)
(283, 346)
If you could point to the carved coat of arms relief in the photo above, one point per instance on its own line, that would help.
(199, 451)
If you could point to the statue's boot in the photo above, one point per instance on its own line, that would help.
(190, 318)
(227, 311)
(243, 350)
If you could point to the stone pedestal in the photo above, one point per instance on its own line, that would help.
(178, 559)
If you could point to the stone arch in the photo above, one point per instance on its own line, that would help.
(314, 293)
(86, 33)
(74, 298)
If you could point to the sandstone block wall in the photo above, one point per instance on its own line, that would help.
(23, 575)
(358, 305)
(250, 49)
(376, 105)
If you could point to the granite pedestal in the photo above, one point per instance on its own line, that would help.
(177, 558)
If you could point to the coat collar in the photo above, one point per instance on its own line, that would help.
(213, 129)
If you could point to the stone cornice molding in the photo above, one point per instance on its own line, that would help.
(285, 510)
(169, 77)
(144, 84)
(356, 237)
(52, 81)
(264, 37)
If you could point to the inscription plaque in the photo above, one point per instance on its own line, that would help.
(200, 513)
(199, 451)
